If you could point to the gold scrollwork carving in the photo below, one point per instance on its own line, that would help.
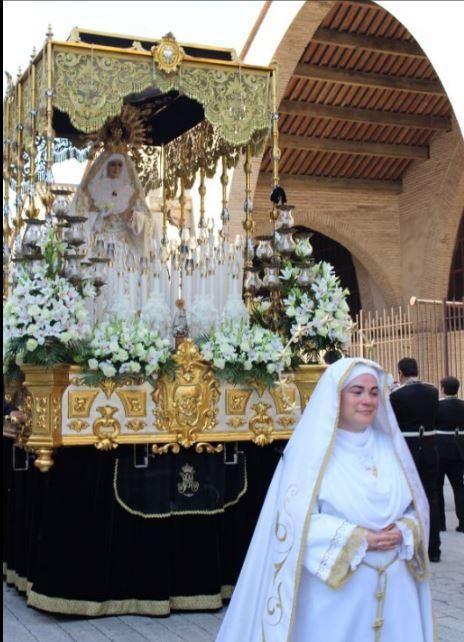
(136, 424)
(286, 421)
(109, 385)
(284, 398)
(163, 450)
(236, 422)
(258, 386)
(186, 407)
(236, 401)
(25, 429)
(78, 425)
(41, 411)
(201, 446)
(168, 55)
(56, 414)
(80, 402)
(134, 402)
(261, 424)
(106, 428)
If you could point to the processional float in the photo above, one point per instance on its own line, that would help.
(180, 113)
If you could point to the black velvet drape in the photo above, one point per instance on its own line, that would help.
(68, 536)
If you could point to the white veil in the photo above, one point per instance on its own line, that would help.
(92, 198)
(263, 605)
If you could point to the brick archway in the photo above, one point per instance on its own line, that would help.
(363, 115)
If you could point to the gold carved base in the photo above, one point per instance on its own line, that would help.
(193, 410)
(306, 378)
(45, 387)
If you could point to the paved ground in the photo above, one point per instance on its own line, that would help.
(24, 624)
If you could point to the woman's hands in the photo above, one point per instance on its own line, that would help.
(385, 540)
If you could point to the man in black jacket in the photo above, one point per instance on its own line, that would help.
(416, 405)
(450, 445)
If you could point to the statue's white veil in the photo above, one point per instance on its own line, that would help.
(263, 605)
(83, 203)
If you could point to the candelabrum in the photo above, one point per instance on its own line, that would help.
(286, 244)
(74, 262)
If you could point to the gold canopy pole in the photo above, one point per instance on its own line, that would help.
(182, 201)
(202, 193)
(33, 114)
(6, 168)
(274, 214)
(19, 146)
(248, 223)
(164, 237)
(181, 235)
(225, 211)
(47, 198)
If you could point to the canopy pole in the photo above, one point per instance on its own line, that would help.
(19, 145)
(49, 111)
(33, 114)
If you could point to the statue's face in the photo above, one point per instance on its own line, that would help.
(114, 168)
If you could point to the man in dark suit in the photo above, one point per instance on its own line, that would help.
(450, 445)
(416, 405)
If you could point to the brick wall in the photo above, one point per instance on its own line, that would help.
(430, 210)
(401, 244)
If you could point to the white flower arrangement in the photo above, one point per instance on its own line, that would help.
(126, 347)
(44, 317)
(243, 353)
(312, 313)
(319, 313)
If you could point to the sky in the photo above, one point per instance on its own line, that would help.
(435, 24)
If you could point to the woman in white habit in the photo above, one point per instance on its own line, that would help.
(339, 553)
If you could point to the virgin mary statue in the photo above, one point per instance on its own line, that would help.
(120, 227)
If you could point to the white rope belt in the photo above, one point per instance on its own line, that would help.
(380, 593)
(450, 433)
(418, 433)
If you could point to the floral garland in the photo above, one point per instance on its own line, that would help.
(243, 353)
(126, 348)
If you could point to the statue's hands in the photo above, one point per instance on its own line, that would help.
(385, 540)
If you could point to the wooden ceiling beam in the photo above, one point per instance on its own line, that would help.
(371, 43)
(363, 79)
(357, 148)
(312, 110)
(293, 182)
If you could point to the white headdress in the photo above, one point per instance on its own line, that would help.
(267, 589)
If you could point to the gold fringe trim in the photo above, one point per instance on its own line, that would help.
(19, 582)
(132, 606)
(341, 570)
(234, 101)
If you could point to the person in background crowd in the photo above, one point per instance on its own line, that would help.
(450, 445)
(416, 405)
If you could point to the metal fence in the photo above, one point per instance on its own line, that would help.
(430, 331)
